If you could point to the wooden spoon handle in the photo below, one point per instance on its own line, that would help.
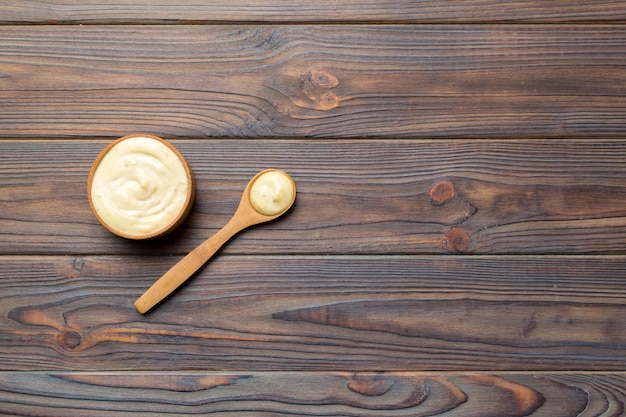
(185, 268)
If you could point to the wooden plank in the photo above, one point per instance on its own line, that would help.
(428, 11)
(255, 394)
(317, 313)
(357, 196)
(432, 81)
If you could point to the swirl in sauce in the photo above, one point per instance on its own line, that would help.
(271, 193)
(140, 186)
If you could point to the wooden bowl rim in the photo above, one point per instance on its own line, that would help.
(176, 221)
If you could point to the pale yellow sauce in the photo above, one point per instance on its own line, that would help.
(140, 186)
(272, 193)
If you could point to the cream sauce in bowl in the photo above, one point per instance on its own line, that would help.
(140, 187)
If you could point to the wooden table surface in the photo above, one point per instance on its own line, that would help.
(458, 243)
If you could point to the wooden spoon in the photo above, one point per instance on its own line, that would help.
(245, 216)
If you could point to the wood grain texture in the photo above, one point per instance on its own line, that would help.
(317, 313)
(357, 196)
(197, 11)
(416, 131)
(334, 394)
(339, 81)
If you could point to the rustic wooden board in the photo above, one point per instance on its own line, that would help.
(335, 394)
(428, 81)
(317, 313)
(198, 11)
(416, 131)
(357, 196)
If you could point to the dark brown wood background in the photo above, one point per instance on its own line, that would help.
(458, 243)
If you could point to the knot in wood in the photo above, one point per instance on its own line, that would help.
(328, 101)
(370, 385)
(441, 192)
(323, 78)
(457, 240)
(315, 85)
(70, 339)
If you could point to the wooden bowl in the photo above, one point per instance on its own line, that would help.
(140, 187)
